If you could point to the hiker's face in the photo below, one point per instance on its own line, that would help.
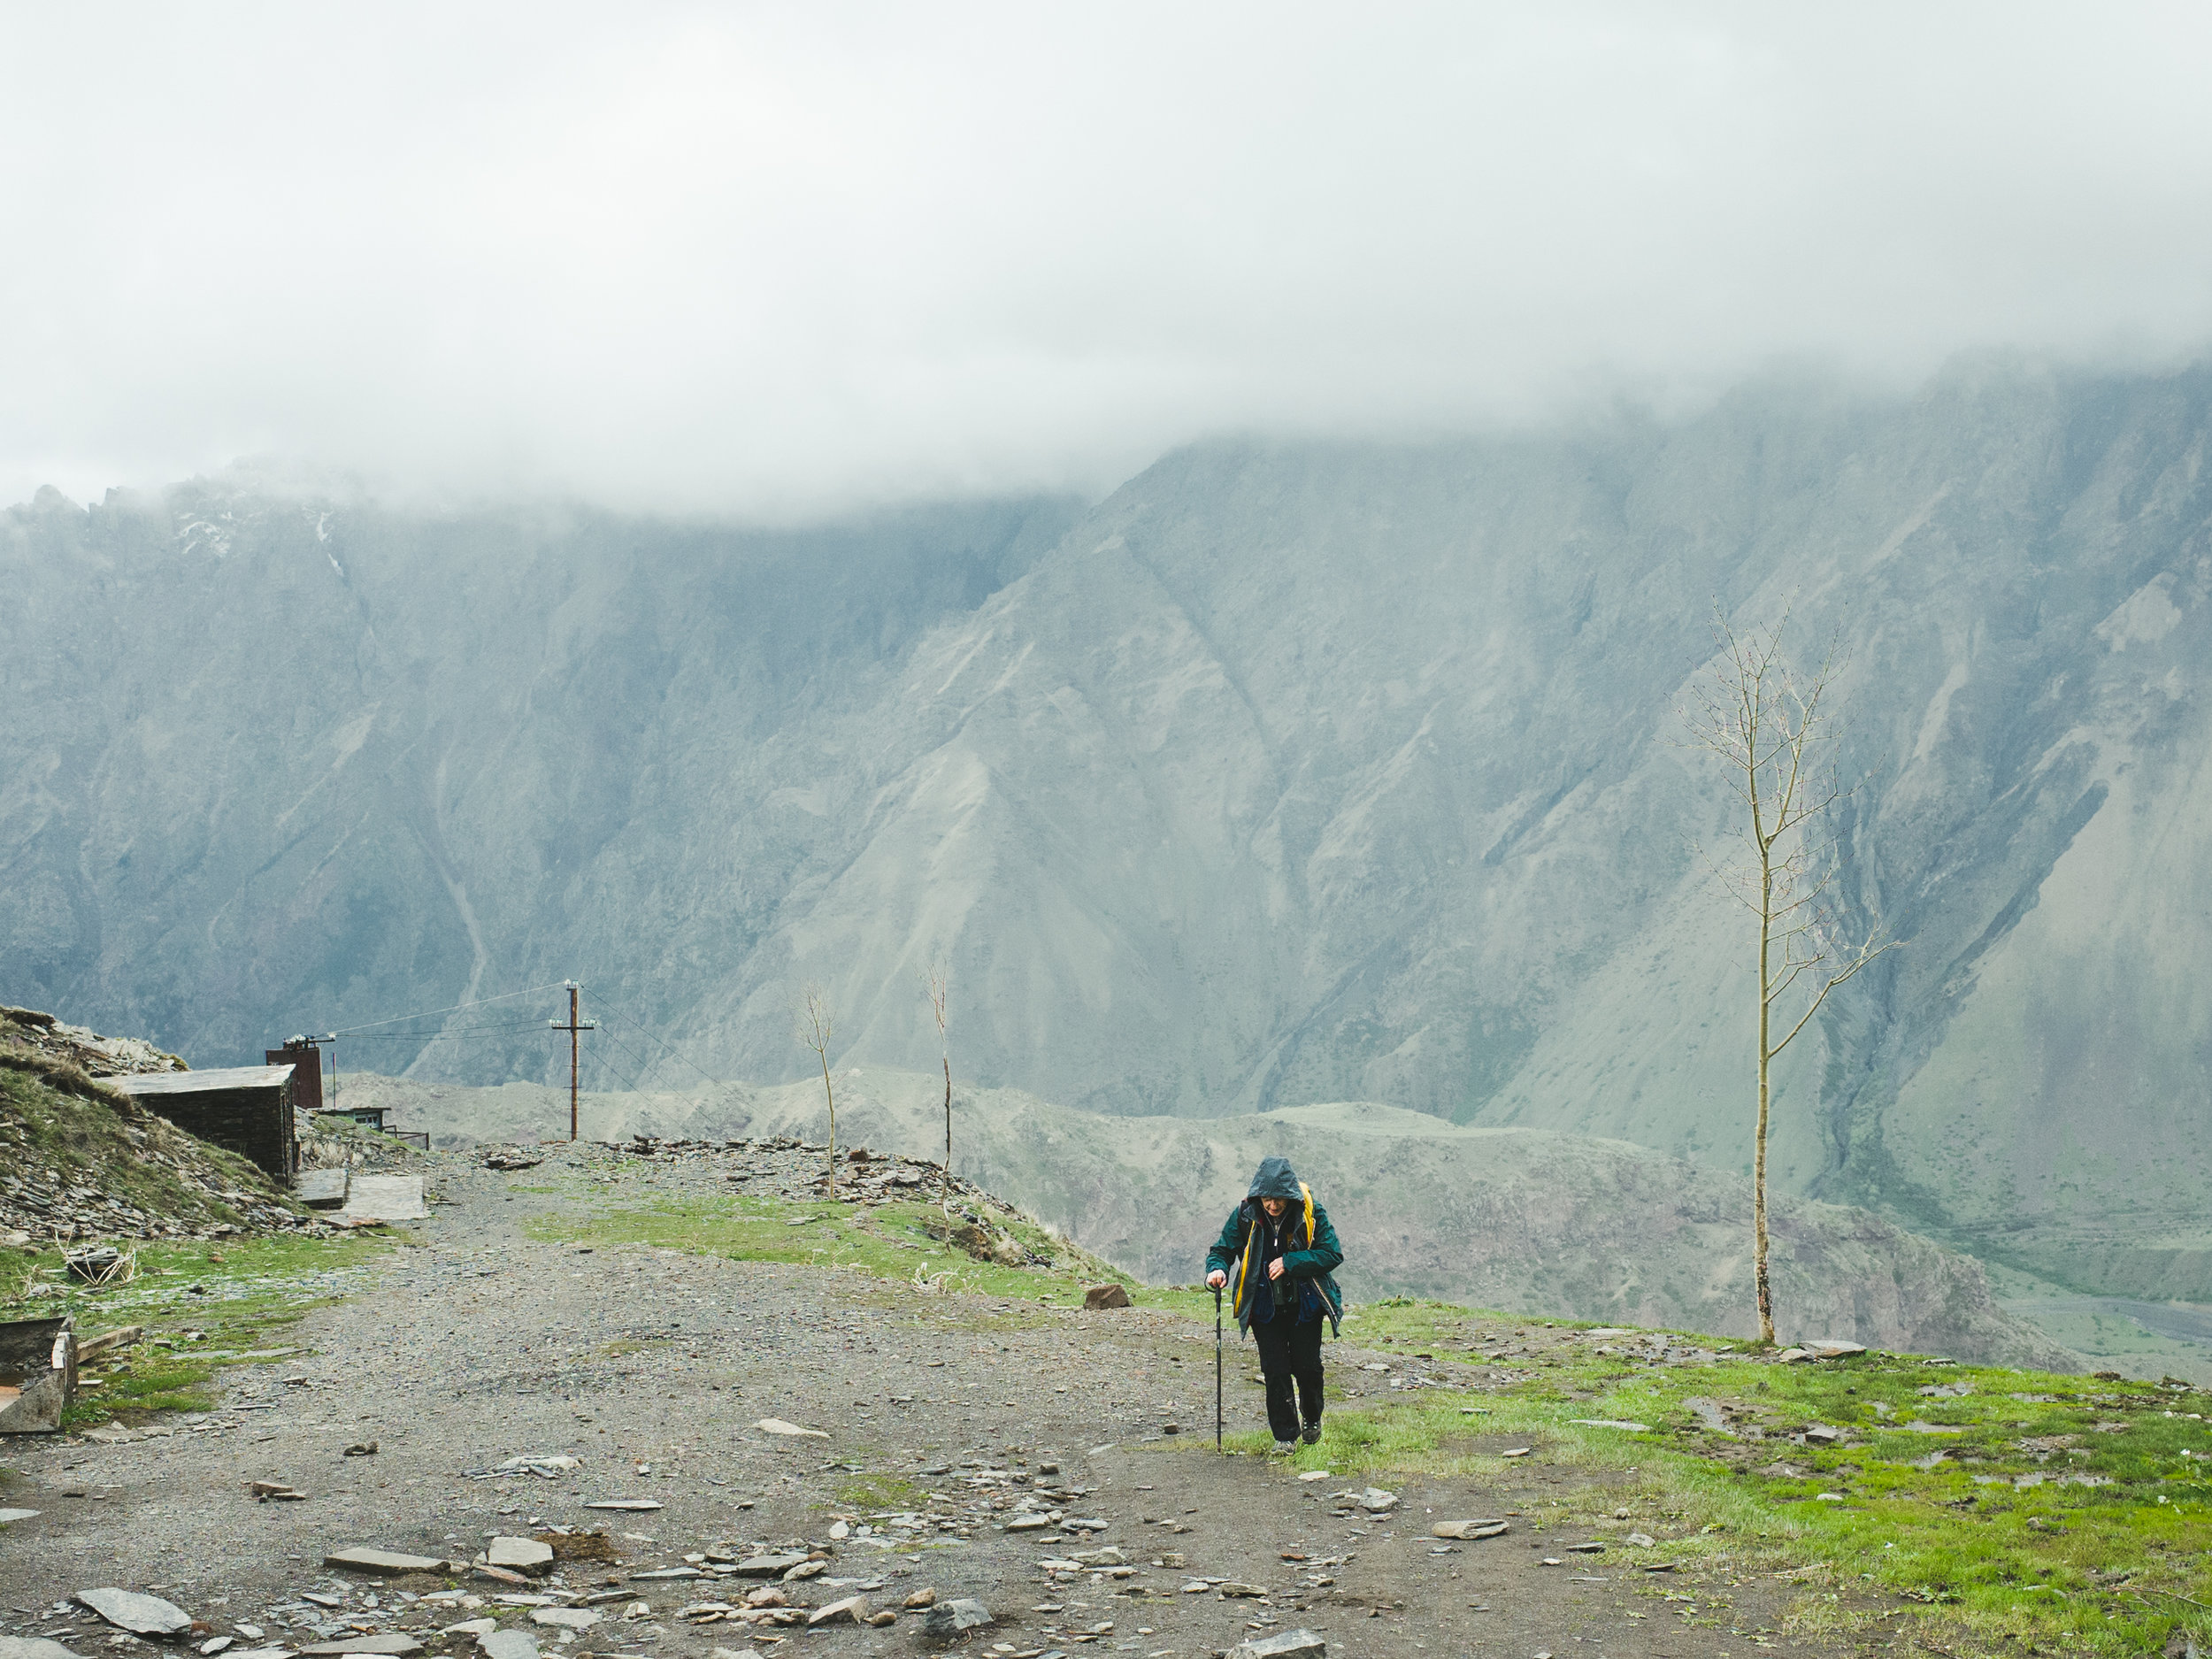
(1275, 1206)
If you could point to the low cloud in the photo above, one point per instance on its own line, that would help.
(785, 260)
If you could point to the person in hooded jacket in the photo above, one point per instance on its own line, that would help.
(1279, 1250)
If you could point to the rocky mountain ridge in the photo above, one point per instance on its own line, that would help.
(1289, 774)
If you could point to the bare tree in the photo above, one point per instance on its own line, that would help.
(815, 1027)
(933, 988)
(1775, 733)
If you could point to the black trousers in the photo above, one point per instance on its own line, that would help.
(1290, 1352)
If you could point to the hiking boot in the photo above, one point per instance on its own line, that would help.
(1284, 1448)
(1311, 1434)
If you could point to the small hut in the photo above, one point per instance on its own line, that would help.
(244, 1109)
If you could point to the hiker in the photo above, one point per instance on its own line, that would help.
(1280, 1249)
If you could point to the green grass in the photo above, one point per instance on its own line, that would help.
(889, 1242)
(1981, 1565)
(246, 1303)
(54, 1118)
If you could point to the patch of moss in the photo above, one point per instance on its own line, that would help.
(201, 1306)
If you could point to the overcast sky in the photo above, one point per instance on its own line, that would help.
(793, 258)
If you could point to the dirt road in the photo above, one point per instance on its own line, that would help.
(957, 1444)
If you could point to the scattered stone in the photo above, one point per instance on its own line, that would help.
(1027, 1523)
(950, 1618)
(1099, 1297)
(566, 1617)
(1639, 1540)
(274, 1491)
(924, 1597)
(776, 1425)
(1316, 1474)
(666, 1573)
(762, 1566)
(625, 1503)
(360, 1448)
(1232, 1589)
(1832, 1350)
(508, 1644)
(1591, 1548)
(383, 1561)
(497, 1575)
(883, 1620)
(519, 1555)
(1377, 1501)
(140, 1615)
(805, 1570)
(32, 1647)
(472, 1627)
(389, 1642)
(1518, 1451)
(1290, 1644)
(1470, 1529)
(1821, 1434)
(853, 1608)
(1611, 1422)
(7, 1515)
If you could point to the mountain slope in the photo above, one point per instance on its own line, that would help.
(1290, 773)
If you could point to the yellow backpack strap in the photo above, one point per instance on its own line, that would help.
(1308, 1191)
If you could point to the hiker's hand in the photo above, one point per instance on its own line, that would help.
(1275, 1268)
(1217, 1280)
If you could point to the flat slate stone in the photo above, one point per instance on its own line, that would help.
(665, 1573)
(32, 1647)
(776, 1425)
(385, 1198)
(761, 1566)
(519, 1555)
(570, 1617)
(624, 1503)
(365, 1560)
(1469, 1529)
(1291, 1644)
(386, 1642)
(140, 1615)
(509, 1644)
(15, 1515)
(323, 1189)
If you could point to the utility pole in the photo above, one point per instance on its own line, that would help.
(575, 1050)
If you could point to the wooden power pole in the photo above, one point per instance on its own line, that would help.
(575, 1050)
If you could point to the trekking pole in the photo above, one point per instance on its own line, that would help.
(1216, 1368)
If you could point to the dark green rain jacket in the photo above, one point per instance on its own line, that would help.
(1311, 1253)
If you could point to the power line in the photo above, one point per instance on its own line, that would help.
(424, 1013)
(643, 1030)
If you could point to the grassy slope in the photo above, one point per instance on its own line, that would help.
(202, 1306)
(54, 1117)
(1956, 1554)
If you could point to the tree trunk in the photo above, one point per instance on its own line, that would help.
(1766, 1056)
(948, 1058)
(830, 1095)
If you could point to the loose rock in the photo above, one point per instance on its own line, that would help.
(1291, 1644)
(382, 1561)
(140, 1615)
(950, 1618)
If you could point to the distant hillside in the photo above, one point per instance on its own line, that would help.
(1519, 1219)
(1290, 773)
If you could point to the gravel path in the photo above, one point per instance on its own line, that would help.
(962, 1445)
